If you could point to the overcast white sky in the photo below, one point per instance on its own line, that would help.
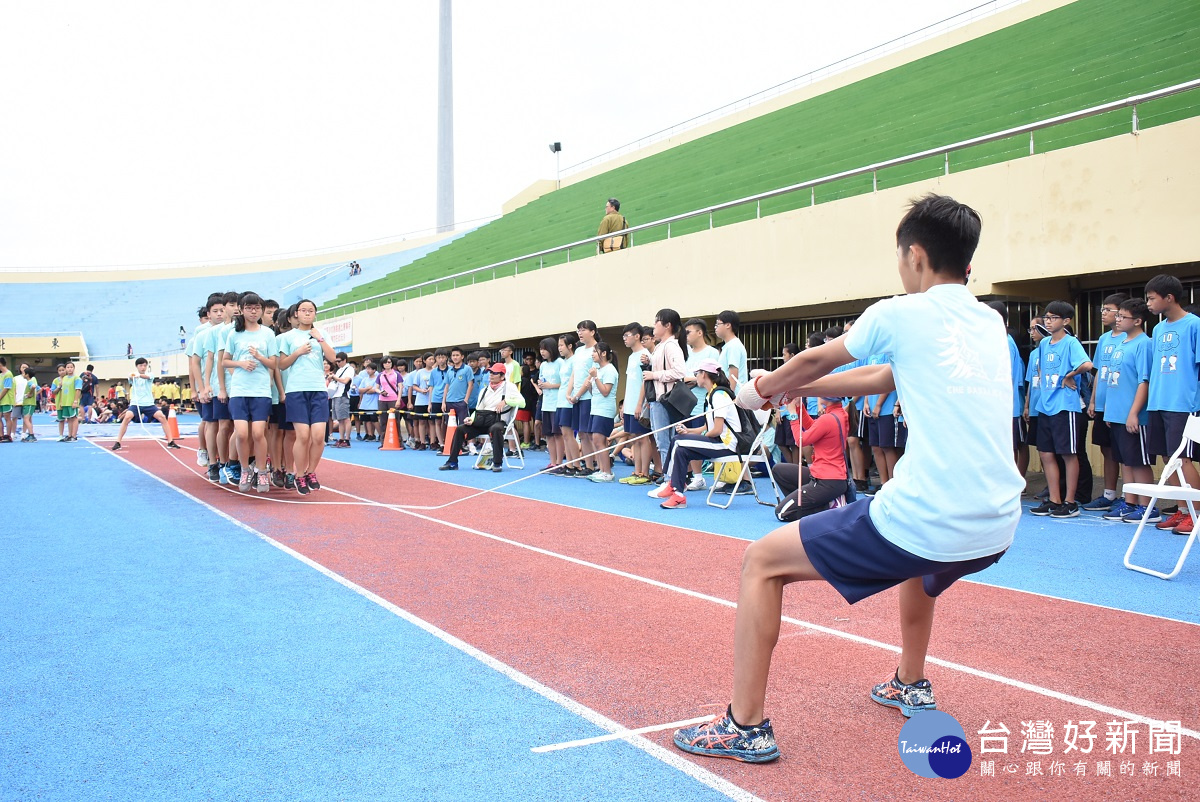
(163, 132)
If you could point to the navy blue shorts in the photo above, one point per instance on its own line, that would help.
(583, 415)
(1101, 435)
(849, 553)
(1020, 433)
(279, 417)
(307, 407)
(1059, 433)
(1130, 449)
(599, 424)
(144, 414)
(1166, 433)
(250, 408)
(634, 426)
(885, 432)
(1031, 431)
(550, 424)
(220, 410)
(565, 418)
(206, 411)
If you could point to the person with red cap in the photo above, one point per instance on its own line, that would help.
(490, 418)
(715, 437)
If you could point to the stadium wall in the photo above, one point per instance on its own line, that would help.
(1119, 203)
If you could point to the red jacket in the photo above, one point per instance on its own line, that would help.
(827, 436)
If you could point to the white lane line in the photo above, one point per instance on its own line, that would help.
(616, 736)
(965, 669)
(667, 756)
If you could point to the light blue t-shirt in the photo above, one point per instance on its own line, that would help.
(1173, 381)
(1104, 351)
(689, 368)
(368, 402)
(307, 373)
(550, 373)
(481, 381)
(1055, 360)
(1017, 366)
(141, 391)
(211, 342)
(410, 379)
(190, 349)
(582, 362)
(1033, 382)
(888, 407)
(733, 354)
(634, 381)
(421, 398)
(457, 380)
(566, 370)
(255, 383)
(605, 406)
(438, 378)
(1129, 365)
(956, 492)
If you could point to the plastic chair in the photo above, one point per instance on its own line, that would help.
(1184, 493)
(757, 454)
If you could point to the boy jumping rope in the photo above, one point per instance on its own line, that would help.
(141, 403)
(945, 514)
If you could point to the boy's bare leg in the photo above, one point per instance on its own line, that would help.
(1050, 469)
(1071, 461)
(916, 622)
(769, 564)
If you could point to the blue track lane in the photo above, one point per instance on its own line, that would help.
(1078, 559)
(153, 650)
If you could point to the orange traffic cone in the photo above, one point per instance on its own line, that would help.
(172, 425)
(451, 425)
(391, 438)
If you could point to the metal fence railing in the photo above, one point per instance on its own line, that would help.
(536, 259)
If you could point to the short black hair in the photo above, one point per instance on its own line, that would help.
(232, 298)
(633, 328)
(815, 339)
(441, 352)
(270, 303)
(1137, 308)
(509, 346)
(1116, 299)
(141, 360)
(1165, 284)
(550, 346)
(647, 331)
(946, 229)
(616, 204)
(791, 348)
(698, 322)
(458, 348)
(833, 332)
(1061, 308)
(732, 318)
(89, 367)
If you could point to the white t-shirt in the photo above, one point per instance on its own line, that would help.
(724, 408)
(343, 388)
(956, 492)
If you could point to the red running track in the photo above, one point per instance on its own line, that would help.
(644, 655)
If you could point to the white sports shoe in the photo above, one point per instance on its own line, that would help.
(202, 458)
(662, 491)
(600, 476)
(697, 483)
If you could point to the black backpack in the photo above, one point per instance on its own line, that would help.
(744, 439)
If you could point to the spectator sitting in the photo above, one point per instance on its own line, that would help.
(808, 490)
(490, 418)
(717, 437)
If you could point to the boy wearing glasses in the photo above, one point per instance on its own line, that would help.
(1105, 346)
(1128, 380)
(1061, 359)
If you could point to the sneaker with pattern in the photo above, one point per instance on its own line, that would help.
(909, 698)
(725, 738)
(1118, 510)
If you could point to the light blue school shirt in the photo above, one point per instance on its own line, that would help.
(733, 354)
(1017, 366)
(456, 383)
(690, 365)
(421, 399)
(888, 407)
(605, 406)
(250, 383)
(550, 373)
(1130, 364)
(1055, 360)
(1173, 379)
(141, 391)
(214, 343)
(1104, 351)
(582, 362)
(190, 349)
(1033, 381)
(566, 371)
(956, 492)
(307, 373)
(368, 402)
(438, 379)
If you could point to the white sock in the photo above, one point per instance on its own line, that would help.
(1110, 494)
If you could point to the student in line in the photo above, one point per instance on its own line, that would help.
(1130, 365)
(141, 403)
(733, 351)
(567, 415)
(67, 389)
(1101, 434)
(603, 378)
(635, 406)
(281, 435)
(549, 382)
(410, 392)
(303, 353)
(579, 390)
(29, 403)
(1061, 359)
(698, 352)
(195, 366)
(249, 354)
(929, 526)
(666, 369)
(8, 400)
(368, 393)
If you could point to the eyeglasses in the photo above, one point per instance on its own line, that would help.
(1053, 317)
(1125, 317)
(1108, 310)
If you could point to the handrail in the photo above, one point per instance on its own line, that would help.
(317, 274)
(946, 150)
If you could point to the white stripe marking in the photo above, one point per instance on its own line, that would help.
(616, 736)
(667, 756)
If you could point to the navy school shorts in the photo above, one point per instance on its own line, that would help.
(307, 407)
(254, 409)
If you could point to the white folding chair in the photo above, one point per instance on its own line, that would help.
(1184, 493)
(510, 433)
(757, 455)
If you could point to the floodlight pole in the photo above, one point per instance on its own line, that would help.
(445, 144)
